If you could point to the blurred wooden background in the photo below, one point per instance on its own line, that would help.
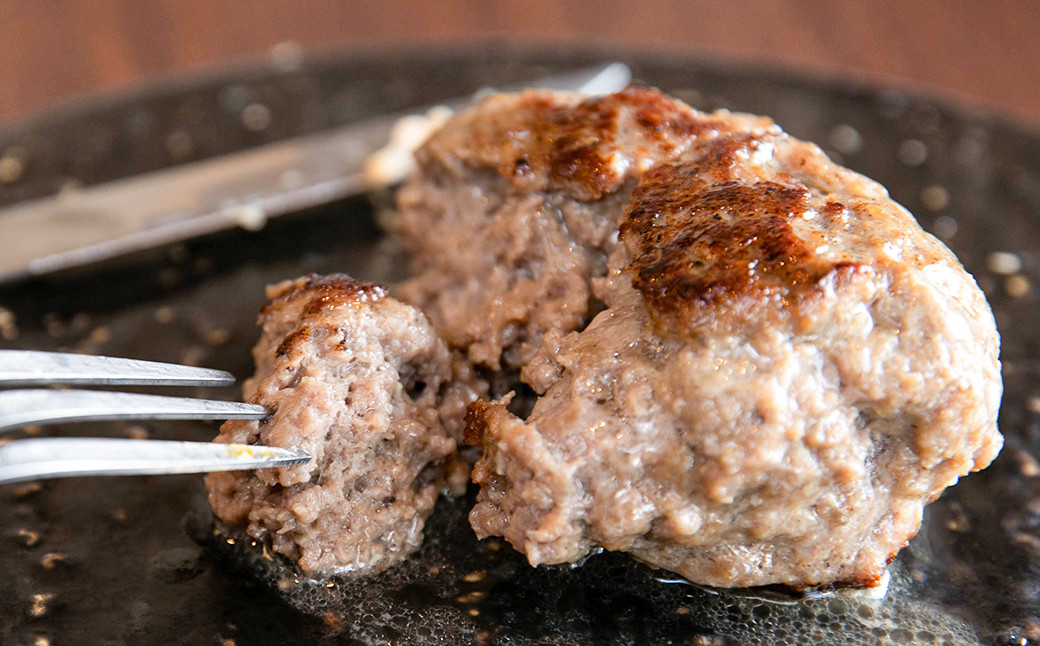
(987, 53)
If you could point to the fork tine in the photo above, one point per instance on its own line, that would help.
(76, 456)
(30, 367)
(32, 407)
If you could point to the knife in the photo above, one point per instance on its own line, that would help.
(84, 226)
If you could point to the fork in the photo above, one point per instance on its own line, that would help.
(37, 458)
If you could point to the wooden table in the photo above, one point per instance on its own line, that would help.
(987, 53)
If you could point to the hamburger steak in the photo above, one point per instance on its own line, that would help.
(781, 369)
(355, 378)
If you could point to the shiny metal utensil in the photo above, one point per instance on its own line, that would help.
(37, 458)
(83, 226)
(64, 457)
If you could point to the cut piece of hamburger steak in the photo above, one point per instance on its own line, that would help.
(781, 369)
(356, 379)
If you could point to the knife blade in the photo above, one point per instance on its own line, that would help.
(87, 225)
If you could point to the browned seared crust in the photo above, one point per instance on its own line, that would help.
(355, 378)
(716, 229)
(322, 295)
(585, 148)
(740, 241)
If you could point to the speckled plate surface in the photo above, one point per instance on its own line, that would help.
(134, 560)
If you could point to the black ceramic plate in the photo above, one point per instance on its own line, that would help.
(133, 560)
